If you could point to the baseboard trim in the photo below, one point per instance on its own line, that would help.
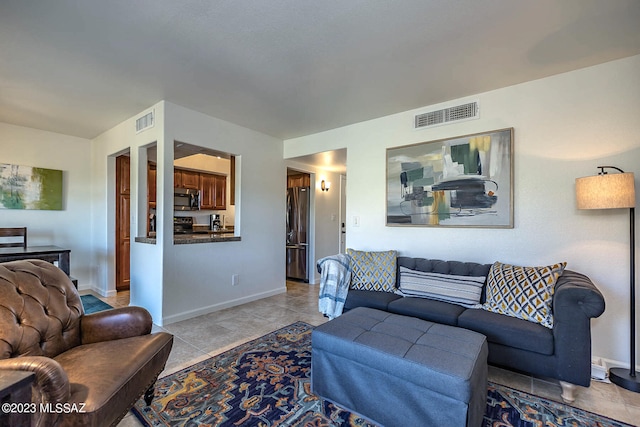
(221, 306)
(610, 363)
(98, 291)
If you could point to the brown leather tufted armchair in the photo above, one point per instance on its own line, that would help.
(105, 361)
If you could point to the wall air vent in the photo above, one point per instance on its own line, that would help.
(456, 113)
(145, 122)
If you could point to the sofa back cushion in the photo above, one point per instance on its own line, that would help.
(40, 310)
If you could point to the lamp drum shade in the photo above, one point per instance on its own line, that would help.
(607, 191)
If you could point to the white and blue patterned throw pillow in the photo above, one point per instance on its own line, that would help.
(462, 290)
(523, 292)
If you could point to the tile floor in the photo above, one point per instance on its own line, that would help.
(205, 336)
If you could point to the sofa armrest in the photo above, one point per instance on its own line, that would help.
(576, 295)
(575, 302)
(108, 325)
(52, 383)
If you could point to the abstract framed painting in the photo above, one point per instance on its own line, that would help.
(464, 181)
(26, 187)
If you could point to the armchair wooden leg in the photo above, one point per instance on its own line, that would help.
(148, 395)
(568, 391)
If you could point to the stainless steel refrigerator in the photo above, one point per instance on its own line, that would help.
(297, 226)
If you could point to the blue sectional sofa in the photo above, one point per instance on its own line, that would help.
(562, 352)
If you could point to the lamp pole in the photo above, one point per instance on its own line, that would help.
(629, 380)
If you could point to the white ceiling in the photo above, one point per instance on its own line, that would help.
(287, 67)
(332, 161)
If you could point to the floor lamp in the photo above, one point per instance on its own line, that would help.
(614, 191)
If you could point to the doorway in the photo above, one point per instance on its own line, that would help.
(297, 222)
(123, 218)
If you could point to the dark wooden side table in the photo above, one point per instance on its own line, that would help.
(15, 398)
(46, 253)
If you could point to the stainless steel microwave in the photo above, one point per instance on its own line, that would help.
(186, 199)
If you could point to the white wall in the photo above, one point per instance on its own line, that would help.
(70, 227)
(146, 259)
(565, 126)
(175, 282)
(327, 213)
(197, 277)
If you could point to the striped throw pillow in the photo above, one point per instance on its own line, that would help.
(462, 290)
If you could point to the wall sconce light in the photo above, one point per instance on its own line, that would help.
(325, 185)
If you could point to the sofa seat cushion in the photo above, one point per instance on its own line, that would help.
(508, 331)
(102, 373)
(427, 309)
(372, 299)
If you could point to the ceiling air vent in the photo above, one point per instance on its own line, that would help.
(456, 113)
(145, 122)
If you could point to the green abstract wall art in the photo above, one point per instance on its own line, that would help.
(26, 187)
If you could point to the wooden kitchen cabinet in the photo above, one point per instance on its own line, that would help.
(298, 180)
(207, 194)
(183, 178)
(220, 192)
(213, 187)
(151, 184)
(213, 191)
(190, 179)
(177, 178)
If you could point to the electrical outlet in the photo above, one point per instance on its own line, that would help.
(235, 279)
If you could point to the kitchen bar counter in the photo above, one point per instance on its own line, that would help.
(182, 239)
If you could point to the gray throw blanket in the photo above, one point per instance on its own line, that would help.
(335, 278)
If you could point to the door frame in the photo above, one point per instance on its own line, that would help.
(342, 228)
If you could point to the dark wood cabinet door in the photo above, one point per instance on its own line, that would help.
(191, 180)
(207, 192)
(177, 178)
(151, 184)
(299, 180)
(220, 196)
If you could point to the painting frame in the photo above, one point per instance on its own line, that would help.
(463, 181)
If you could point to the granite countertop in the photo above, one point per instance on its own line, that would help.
(180, 239)
(209, 237)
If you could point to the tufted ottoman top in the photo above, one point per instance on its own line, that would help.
(437, 357)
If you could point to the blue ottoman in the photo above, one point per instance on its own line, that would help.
(401, 371)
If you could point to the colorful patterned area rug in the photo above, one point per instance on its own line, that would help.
(265, 383)
(92, 304)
